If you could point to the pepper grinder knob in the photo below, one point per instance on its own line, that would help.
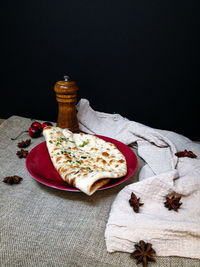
(66, 96)
(66, 78)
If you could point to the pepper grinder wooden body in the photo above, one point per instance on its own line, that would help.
(66, 95)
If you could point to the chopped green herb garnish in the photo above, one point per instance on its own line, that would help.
(58, 153)
(72, 141)
(76, 172)
(90, 170)
(84, 143)
(83, 157)
(69, 160)
(50, 141)
(58, 143)
(78, 161)
(64, 139)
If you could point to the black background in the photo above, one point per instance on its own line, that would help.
(137, 58)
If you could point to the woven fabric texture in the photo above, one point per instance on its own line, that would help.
(42, 226)
(171, 233)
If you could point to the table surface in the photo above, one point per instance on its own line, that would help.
(42, 226)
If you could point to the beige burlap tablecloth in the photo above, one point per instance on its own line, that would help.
(42, 226)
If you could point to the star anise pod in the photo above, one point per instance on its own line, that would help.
(185, 153)
(135, 202)
(22, 153)
(12, 179)
(24, 144)
(173, 202)
(143, 253)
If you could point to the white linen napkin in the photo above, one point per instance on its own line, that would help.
(170, 232)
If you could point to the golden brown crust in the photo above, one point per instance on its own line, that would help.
(105, 154)
(47, 128)
(99, 184)
(58, 159)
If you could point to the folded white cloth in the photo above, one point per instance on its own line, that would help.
(170, 232)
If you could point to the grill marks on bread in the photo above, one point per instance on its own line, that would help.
(58, 159)
(105, 154)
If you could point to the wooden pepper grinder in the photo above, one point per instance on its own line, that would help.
(66, 95)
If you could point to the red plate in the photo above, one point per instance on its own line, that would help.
(39, 165)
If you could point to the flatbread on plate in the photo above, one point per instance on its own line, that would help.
(85, 161)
